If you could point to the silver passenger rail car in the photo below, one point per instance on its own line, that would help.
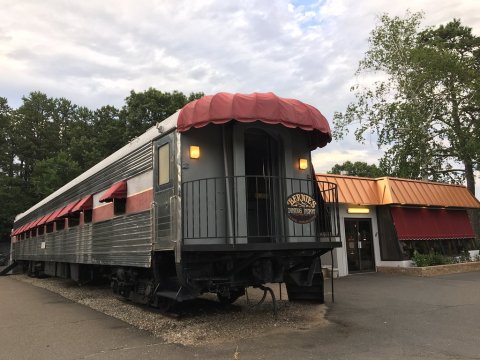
(218, 197)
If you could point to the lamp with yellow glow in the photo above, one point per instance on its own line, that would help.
(303, 164)
(194, 152)
(358, 210)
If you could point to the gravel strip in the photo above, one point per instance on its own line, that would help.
(201, 321)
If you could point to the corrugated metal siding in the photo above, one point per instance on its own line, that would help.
(130, 165)
(123, 240)
(388, 191)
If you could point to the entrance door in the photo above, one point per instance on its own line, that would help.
(360, 255)
(165, 186)
(262, 170)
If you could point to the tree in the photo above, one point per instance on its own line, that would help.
(6, 146)
(425, 103)
(143, 110)
(51, 174)
(358, 168)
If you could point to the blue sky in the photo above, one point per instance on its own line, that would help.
(94, 53)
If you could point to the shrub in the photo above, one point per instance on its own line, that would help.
(430, 259)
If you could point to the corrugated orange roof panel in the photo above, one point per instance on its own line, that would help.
(353, 190)
(387, 190)
(426, 193)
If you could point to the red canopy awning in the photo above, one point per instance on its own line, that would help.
(265, 107)
(44, 219)
(29, 226)
(116, 191)
(35, 223)
(54, 215)
(428, 224)
(22, 228)
(67, 210)
(17, 231)
(85, 204)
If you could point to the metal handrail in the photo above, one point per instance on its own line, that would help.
(256, 205)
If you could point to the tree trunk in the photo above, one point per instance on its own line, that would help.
(469, 176)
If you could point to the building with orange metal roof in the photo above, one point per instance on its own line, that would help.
(384, 220)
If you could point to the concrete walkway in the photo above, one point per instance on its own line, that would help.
(376, 316)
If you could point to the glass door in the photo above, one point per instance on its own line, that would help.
(359, 240)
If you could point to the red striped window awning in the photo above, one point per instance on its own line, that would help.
(116, 191)
(44, 219)
(67, 210)
(430, 224)
(54, 215)
(85, 204)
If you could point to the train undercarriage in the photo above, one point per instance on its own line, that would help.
(226, 274)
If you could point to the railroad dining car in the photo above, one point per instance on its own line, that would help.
(217, 197)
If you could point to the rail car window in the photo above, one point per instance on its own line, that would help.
(74, 219)
(119, 206)
(164, 164)
(87, 216)
(49, 227)
(60, 224)
(41, 230)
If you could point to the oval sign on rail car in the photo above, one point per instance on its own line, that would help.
(301, 208)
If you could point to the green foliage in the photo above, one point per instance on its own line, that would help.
(52, 173)
(419, 90)
(357, 168)
(430, 259)
(143, 110)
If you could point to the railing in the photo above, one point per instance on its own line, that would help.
(259, 209)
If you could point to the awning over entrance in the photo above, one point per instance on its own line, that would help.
(429, 224)
(116, 191)
(265, 107)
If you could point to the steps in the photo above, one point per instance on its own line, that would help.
(6, 270)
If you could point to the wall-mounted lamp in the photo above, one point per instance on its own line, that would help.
(358, 210)
(303, 164)
(194, 152)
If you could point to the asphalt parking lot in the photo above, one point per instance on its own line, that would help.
(375, 316)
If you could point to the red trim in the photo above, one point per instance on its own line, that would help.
(429, 224)
(265, 107)
(85, 204)
(53, 216)
(139, 202)
(103, 212)
(44, 219)
(116, 191)
(67, 210)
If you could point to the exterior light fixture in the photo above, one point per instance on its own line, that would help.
(194, 152)
(303, 164)
(358, 210)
